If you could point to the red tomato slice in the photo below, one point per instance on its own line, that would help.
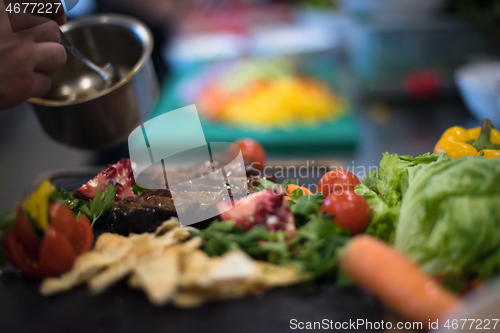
(63, 219)
(57, 254)
(84, 237)
(17, 256)
(26, 235)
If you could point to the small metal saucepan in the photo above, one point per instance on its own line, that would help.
(78, 110)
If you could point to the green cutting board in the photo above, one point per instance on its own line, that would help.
(341, 135)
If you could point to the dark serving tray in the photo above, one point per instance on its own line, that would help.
(122, 309)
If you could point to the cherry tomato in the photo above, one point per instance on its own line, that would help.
(349, 209)
(79, 233)
(82, 242)
(63, 219)
(57, 254)
(337, 181)
(26, 235)
(18, 256)
(252, 152)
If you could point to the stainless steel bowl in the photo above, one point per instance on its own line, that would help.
(78, 111)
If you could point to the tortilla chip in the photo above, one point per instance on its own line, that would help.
(109, 249)
(170, 266)
(234, 265)
(159, 276)
(187, 300)
(51, 286)
(167, 226)
(196, 266)
(112, 274)
(145, 243)
(191, 245)
(270, 275)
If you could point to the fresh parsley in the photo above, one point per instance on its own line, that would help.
(95, 209)
(68, 198)
(102, 203)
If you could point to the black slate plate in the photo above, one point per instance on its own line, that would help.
(122, 309)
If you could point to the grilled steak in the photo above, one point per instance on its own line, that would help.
(143, 213)
(194, 201)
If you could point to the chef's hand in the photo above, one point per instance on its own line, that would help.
(25, 59)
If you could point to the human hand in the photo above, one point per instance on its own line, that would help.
(26, 57)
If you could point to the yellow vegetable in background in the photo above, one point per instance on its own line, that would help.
(458, 141)
(281, 103)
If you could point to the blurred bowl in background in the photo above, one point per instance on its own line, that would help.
(78, 111)
(479, 86)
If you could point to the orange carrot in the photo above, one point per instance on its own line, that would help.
(290, 188)
(395, 279)
(286, 197)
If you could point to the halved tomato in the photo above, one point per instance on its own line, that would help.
(18, 256)
(63, 219)
(65, 238)
(82, 242)
(57, 254)
(26, 235)
(79, 233)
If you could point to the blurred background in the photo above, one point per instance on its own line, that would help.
(309, 79)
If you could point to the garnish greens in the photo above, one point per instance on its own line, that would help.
(96, 209)
(314, 248)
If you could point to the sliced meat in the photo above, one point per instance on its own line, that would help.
(143, 213)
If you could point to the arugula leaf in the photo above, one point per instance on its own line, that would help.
(318, 243)
(296, 194)
(314, 247)
(266, 184)
(102, 203)
(307, 204)
(287, 182)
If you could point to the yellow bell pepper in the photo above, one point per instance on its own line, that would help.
(458, 141)
(38, 205)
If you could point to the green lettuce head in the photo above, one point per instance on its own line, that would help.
(449, 221)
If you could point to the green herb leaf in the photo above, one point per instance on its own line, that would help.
(102, 203)
(307, 205)
(68, 198)
(266, 184)
(287, 182)
(297, 194)
(137, 189)
(7, 221)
